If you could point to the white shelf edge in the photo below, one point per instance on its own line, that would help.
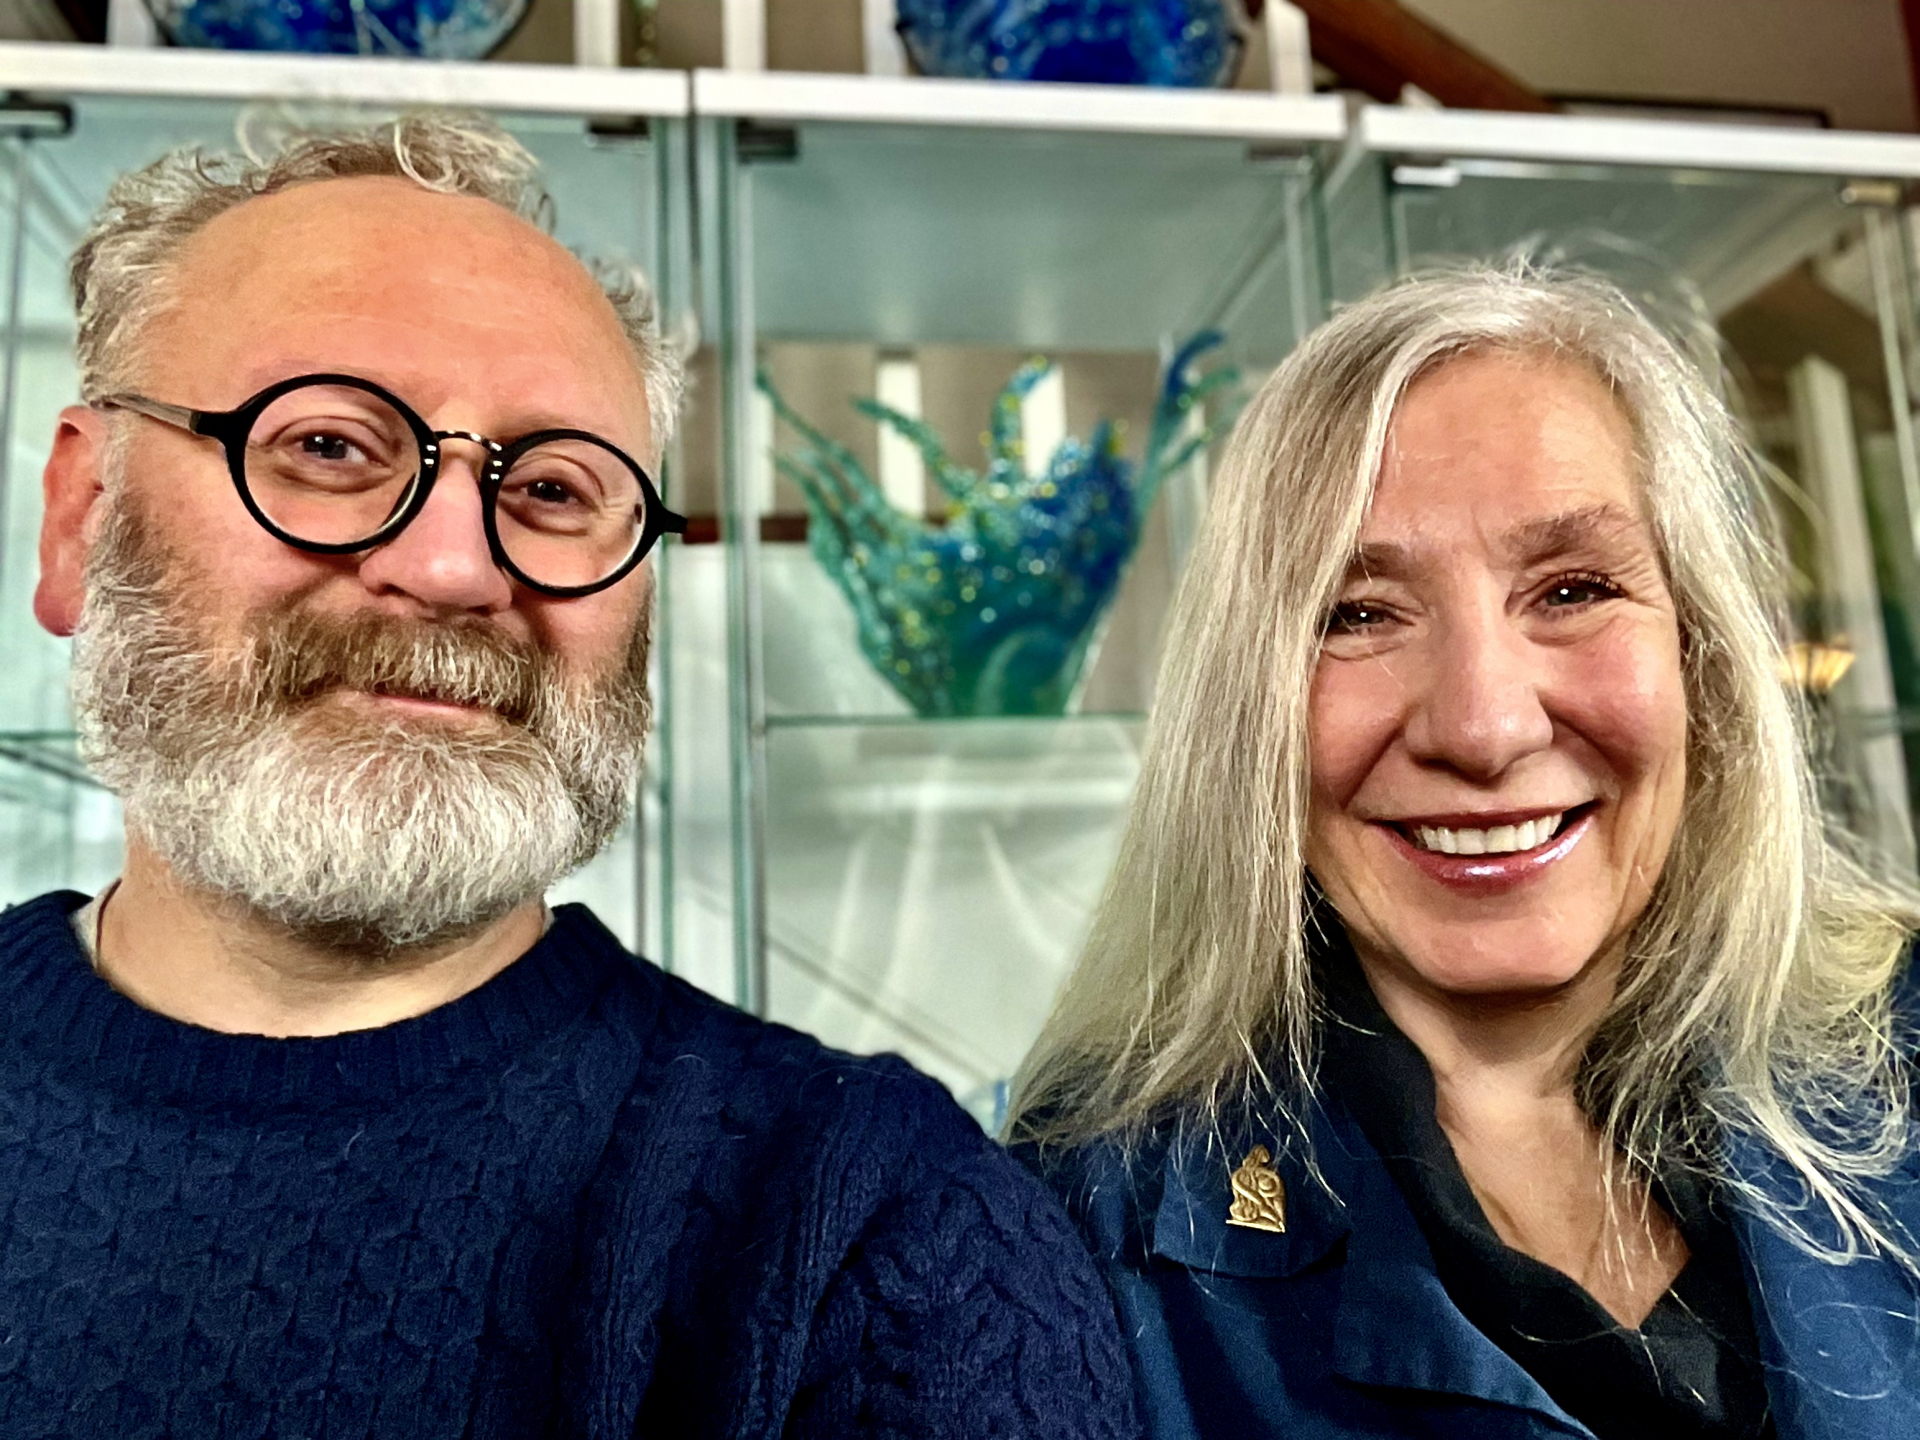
(51, 69)
(1605, 140)
(1023, 105)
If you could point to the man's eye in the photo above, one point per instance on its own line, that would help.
(322, 446)
(551, 492)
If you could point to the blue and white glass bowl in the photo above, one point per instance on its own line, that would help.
(1110, 42)
(433, 29)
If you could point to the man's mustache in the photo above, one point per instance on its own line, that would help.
(298, 655)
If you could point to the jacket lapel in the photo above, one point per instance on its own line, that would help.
(1394, 1325)
(1192, 1227)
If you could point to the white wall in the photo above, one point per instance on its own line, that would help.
(32, 20)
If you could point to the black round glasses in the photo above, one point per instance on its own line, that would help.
(334, 464)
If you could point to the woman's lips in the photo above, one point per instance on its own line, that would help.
(1493, 872)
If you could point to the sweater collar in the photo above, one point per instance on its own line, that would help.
(58, 1009)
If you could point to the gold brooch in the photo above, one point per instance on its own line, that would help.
(1259, 1195)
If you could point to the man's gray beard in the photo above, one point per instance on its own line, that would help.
(363, 835)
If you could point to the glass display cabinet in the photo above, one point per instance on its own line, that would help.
(905, 871)
(613, 148)
(827, 835)
(1782, 258)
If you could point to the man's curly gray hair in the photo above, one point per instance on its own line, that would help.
(124, 264)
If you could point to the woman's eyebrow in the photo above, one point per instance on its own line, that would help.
(1381, 560)
(1589, 527)
(1586, 528)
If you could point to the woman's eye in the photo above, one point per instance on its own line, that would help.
(1573, 590)
(1354, 615)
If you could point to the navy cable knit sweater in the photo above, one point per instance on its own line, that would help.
(585, 1199)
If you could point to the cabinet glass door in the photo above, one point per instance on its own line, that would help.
(913, 861)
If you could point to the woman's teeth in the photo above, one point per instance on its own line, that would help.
(1500, 840)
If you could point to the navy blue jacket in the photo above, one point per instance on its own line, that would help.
(1340, 1327)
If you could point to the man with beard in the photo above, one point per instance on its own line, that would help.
(319, 1122)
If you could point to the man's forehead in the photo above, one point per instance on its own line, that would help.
(378, 273)
(376, 226)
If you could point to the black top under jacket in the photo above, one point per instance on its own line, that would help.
(1692, 1368)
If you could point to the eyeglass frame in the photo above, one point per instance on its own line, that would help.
(232, 427)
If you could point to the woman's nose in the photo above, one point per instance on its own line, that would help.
(1481, 707)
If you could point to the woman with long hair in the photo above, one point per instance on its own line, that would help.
(1482, 1032)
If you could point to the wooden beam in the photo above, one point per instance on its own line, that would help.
(1910, 13)
(1380, 40)
(87, 17)
(774, 530)
(1355, 64)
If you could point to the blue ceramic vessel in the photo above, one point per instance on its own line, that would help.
(433, 29)
(1107, 42)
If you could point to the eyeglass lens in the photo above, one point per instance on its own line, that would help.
(332, 465)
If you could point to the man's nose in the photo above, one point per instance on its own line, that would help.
(1481, 707)
(442, 561)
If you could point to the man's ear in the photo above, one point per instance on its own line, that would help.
(72, 485)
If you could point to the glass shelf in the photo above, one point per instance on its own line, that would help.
(52, 753)
(900, 236)
(1711, 239)
(828, 768)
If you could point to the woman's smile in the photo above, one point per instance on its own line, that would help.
(1489, 836)
(1495, 854)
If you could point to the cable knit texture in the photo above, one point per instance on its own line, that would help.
(584, 1200)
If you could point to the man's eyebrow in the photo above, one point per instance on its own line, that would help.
(1531, 541)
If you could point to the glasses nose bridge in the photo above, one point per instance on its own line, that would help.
(493, 448)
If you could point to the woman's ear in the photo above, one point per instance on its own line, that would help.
(72, 486)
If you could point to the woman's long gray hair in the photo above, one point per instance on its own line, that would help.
(1754, 1001)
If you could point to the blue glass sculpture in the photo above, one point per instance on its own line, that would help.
(993, 611)
(434, 29)
(1107, 42)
